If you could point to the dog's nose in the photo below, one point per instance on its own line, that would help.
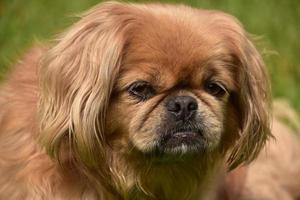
(182, 107)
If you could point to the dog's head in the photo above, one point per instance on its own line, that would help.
(159, 81)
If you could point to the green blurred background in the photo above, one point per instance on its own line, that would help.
(276, 23)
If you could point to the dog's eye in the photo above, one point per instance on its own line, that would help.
(215, 89)
(141, 89)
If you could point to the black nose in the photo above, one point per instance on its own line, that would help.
(182, 107)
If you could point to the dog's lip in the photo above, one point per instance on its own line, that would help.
(185, 134)
(177, 144)
(181, 137)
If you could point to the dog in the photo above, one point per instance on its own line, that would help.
(135, 101)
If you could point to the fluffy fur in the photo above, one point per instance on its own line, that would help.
(274, 175)
(71, 130)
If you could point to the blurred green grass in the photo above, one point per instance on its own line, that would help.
(23, 23)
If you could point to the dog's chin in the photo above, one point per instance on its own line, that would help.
(178, 146)
(182, 142)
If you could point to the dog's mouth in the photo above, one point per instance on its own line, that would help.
(182, 141)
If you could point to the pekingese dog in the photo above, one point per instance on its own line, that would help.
(134, 102)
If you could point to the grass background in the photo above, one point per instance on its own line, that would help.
(24, 22)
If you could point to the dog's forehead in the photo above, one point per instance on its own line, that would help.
(173, 50)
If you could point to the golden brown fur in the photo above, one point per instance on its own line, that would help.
(70, 129)
(274, 175)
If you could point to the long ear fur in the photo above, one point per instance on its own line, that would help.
(76, 81)
(253, 104)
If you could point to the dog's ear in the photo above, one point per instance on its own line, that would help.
(252, 101)
(76, 81)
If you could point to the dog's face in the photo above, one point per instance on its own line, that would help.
(160, 81)
(172, 95)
